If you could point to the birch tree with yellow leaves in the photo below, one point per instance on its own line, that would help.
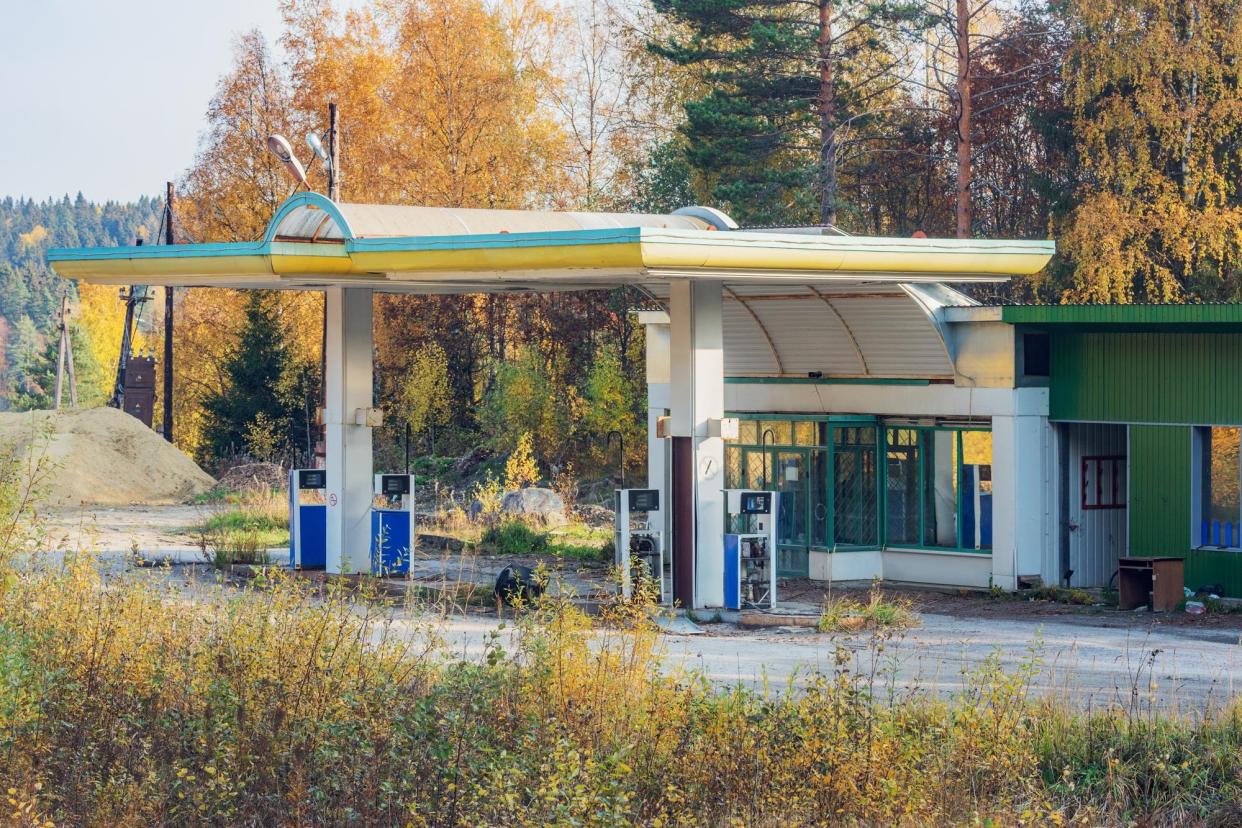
(1154, 87)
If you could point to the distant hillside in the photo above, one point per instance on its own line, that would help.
(30, 293)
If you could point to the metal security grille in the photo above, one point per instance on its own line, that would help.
(855, 486)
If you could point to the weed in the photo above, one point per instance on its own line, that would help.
(850, 615)
(1064, 595)
(245, 533)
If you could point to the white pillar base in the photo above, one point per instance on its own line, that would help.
(348, 387)
(696, 397)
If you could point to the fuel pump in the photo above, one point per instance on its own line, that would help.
(392, 524)
(750, 549)
(639, 546)
(308, 519)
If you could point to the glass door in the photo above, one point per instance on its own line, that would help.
(855, 493)
(791, 479)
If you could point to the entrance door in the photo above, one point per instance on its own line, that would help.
(855, 486)
(791, 478)
(1094, 514)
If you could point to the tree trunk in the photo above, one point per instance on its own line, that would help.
(963, 119)
(827, 119)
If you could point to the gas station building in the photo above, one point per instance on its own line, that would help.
(913, 434)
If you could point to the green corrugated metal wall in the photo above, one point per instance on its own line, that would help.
(1143, 378)
(1147, 377)
(1159, 490)
(1160, 519)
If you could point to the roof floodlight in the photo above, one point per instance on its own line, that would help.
(278, 145)
(316, 145)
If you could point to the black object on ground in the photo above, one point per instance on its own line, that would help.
(517, 584)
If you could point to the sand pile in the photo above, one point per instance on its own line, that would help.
(102, 456)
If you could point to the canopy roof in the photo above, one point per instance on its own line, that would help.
(794, 301)
(312, 242)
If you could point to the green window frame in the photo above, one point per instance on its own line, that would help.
(817, 436)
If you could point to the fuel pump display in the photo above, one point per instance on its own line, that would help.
(392, 524)
(639, 554)
(308, 519)
(750, 550)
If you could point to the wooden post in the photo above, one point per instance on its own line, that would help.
(73, 378)
(169, 238)
(60, 356)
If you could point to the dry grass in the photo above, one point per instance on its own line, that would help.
(877, 613)
(124, 704)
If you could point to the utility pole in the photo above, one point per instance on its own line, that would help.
(169, 238)
(334, 156)
(65, 357)
(132, 299)
(334, 193)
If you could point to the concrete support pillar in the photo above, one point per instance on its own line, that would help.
(696, 397)
(348, 391)
(656, 325)
(1020, 496)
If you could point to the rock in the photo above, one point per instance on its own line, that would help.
(252, 476)
(543, 504)
(465, 465)
(597, 517)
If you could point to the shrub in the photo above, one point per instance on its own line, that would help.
(521, 470)
(513, 537)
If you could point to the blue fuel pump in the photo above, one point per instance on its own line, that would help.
(308, 519)
(392, 524)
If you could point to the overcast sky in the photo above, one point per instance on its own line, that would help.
(107, 97)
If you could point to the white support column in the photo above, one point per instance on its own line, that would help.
(1020, 458)
(348, 389)
(656, 325)
(696, 396)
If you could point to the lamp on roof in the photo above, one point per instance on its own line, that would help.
(278, 145)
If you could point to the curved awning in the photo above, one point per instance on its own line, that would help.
(843, 330)
(312, 242)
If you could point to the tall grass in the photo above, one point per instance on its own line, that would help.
(124, 703)
(245, 531)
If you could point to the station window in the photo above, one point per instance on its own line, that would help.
(1036, 355)
(938, 488)
(1218, 482)
(1104, 482)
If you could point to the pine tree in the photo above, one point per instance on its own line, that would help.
(255, 391)
(785, 77)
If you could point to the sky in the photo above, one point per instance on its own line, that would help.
(108, 97)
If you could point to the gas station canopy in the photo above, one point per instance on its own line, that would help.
(313, 243)
(775, 302)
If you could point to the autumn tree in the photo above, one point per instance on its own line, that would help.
(1154, 89)
(446, 102)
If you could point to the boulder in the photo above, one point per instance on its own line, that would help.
(542, 504)
(597, 517)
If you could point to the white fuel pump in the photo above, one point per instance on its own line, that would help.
(308, 519)
(750, 549)
(639, 545)
(392, 524)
